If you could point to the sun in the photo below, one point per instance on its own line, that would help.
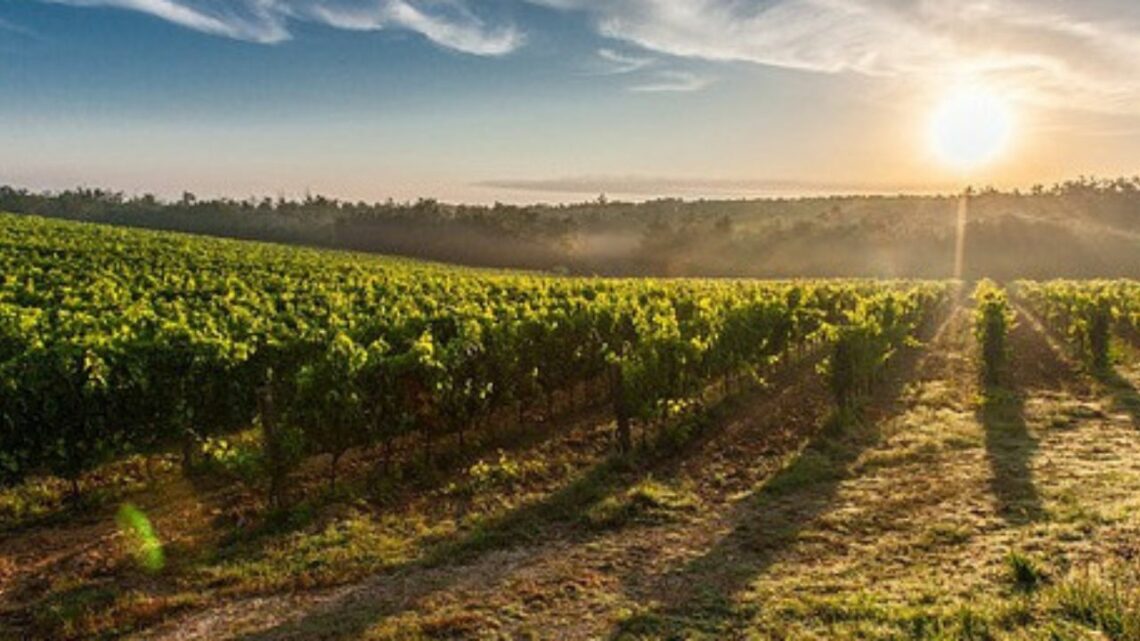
(971, 128)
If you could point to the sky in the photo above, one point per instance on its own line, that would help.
(557, 100)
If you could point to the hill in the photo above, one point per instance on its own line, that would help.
(1078, 229)
(214, 439)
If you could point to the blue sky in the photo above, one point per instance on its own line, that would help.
(523, 100)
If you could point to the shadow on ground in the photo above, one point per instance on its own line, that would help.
(1009, 450)
(1036, 367)
(1124, 395)
(492, 551)
(698, 597)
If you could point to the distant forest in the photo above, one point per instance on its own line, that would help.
(1080, 228)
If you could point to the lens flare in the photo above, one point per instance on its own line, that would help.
(144, 544)
(960, 240)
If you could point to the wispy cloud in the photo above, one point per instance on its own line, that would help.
(447, 23)
(670, 81)
(648, 74)
(1066, 53)
(622, 63)
(450, 25)
(253, 20)
(1074, 53)
(672, 185)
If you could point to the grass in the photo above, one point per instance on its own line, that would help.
(1118, 381)
(350, 547)
(42, 500)
(766, 523)
(946, 534)
(1109, 604)
(221, 545)
(648, 501)
(1025, 572)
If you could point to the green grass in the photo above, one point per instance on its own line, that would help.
(1025, 572)
(648, 501)
(891, 528)
(1107, 602)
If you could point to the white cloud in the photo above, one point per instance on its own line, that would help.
(1079, 53)
(1069, 53)
(617, 63)
(648, 74)
(671, 81)
(253, 20)
(650, 185)
(447, 23)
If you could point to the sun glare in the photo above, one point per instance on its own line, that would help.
(971, 128)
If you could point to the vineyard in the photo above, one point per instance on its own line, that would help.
(120, 342)
(292, 373)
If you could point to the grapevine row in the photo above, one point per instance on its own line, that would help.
(116, 341)
(993, 319)
(1085, 313)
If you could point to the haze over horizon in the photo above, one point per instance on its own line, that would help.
(559, 100)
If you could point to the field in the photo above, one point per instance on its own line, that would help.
(212, 439)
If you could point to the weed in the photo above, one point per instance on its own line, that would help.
(1110, 605)
(1025, 573)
